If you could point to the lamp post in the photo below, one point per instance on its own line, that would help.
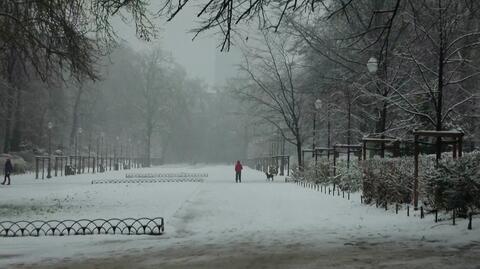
(317, 106)
(129, 153)
(50, 126)
(328, 131)
(79, 134)
(115, 156)
(372, 66)
(101, 165)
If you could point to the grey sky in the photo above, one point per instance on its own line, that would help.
(201, 58)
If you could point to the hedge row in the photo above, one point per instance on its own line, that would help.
(453, 184)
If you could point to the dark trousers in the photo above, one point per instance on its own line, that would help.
(238, 177)
(5, 179)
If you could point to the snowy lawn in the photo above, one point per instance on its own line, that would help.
(221, 224)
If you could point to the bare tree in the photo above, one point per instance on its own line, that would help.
(274, 89)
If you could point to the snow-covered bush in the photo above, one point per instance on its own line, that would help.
(322, 173)
(348, 178)
(454, 184)
(388, 180)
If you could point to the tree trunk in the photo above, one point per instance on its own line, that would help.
(299, 150)
(438, 127)
(17, 123)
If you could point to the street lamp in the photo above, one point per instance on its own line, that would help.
(129, 153)
(101, 165)
(372, 65)
(318, 106)
(115, 155)
(50, 126)
(79, 148)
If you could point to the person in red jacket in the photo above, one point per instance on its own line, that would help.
(238, 172)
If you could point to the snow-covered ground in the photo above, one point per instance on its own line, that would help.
(221, 224)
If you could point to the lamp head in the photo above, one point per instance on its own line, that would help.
(372, 65)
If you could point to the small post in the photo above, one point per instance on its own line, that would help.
(56, 166)
(43, 168)
(415, 173)
(386, 205)
(348, 194)
(36, 168)
(470, 220)
(62, 167)
(422, 215)
(453, 217)
(343, 194)
(436, 215)
(396, 209)
(408, 210)
(460, 146)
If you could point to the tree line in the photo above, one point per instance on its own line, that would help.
(423, 61)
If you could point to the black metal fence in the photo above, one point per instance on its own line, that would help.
(165, 175)
(146, 180)
(452, 215)
(128, 226)
(50, 166)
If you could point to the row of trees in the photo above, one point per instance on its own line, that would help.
(423, 57)
(61, 64)
(144, 105)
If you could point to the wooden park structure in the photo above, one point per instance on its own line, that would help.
(386, 143)
(349, 148)
(454, 138)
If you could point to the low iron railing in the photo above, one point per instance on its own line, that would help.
(147, 226)
(165, 175)
(145, 180)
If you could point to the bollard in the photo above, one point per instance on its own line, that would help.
(361, 199)
(436, 215)
(386, 205)
(36, 168)
(470, 220)
(348, 194)
(422, 215)
(43, 168)
(408, 210)
(343, 194)
(453, 217)
(396, 208)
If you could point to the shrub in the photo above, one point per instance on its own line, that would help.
(388, 180)
(454, 184)
(348, 178)
(322, 173)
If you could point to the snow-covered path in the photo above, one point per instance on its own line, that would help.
(221, 224)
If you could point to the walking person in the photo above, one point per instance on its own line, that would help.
(238, 172)
(7, 169)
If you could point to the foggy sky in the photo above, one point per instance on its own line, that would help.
(201, 58)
